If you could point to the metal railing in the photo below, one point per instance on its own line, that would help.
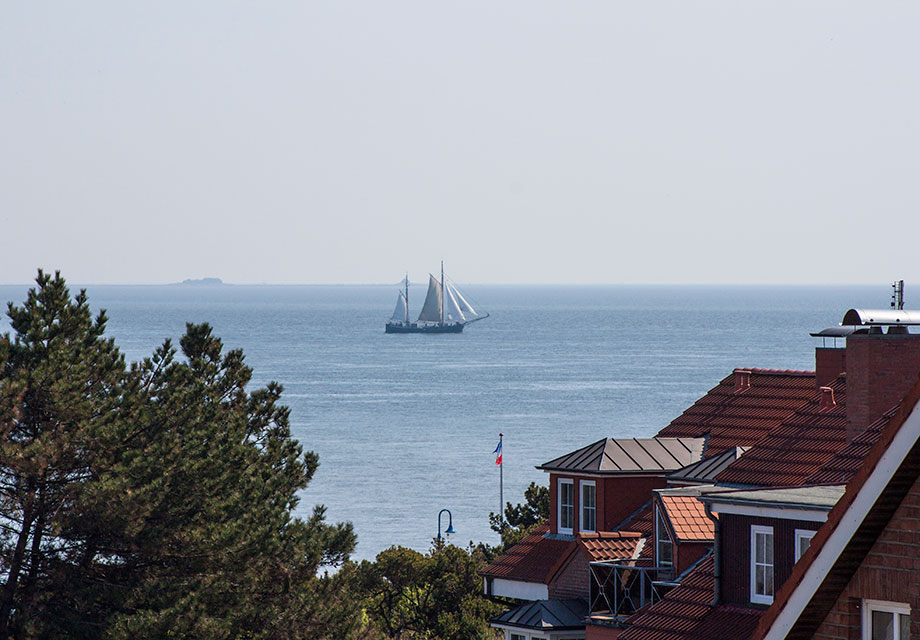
(619, 589)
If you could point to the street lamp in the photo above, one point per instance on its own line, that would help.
(450, 523)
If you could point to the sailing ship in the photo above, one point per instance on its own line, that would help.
(445, 309)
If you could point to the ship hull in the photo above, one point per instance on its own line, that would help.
(415, 328)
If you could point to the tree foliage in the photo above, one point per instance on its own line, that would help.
(522, 518)
(153, 500)
(413, 596)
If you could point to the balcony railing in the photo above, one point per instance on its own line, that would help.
(619, 589)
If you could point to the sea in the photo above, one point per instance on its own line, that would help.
(406, 425)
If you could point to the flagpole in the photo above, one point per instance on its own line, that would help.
(501, 483)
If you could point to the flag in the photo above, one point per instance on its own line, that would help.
(498, 451)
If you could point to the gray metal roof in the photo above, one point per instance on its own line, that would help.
(630, 455)
(554, 615)
(822, 497)
(707, 469)
(837, 332)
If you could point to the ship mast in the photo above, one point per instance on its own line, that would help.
(407, 298)
(443, 291)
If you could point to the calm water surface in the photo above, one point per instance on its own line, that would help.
(405, 425)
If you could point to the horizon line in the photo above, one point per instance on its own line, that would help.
(195, 284)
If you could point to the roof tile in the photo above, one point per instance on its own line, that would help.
(741, 418)
(797, 448)
(847, 461)
(688, 518)
(605, 546)
(686, 613)
(531, 560)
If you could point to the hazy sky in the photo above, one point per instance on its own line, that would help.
(529, 141)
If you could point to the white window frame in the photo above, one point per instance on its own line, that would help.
(761, 598)
(897, 608)
(659, 540)
(802, 534)
(582, 508)
(560, 483)
(513, 634)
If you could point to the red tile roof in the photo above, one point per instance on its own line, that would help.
(796, 448)
(743, 417)
(688, 518)
(846, 462)
(832, 583)
(686, 613)
(533, 559)
(605, 546)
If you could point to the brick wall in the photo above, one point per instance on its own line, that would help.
(830, 362)
(573, 579)
(617, 498)
(881, 368)
(687, 553)
(890, 571)
(623, 495)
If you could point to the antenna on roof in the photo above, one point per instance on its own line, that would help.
(897, 295)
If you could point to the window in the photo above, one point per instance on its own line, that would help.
(885, 620)
(802, 541)
(517, 636)
(664, 550)
(566, 506)
(588, 506)
(761, 564)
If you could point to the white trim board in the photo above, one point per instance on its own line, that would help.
(754, 597)
(519, 589)
(779, 513)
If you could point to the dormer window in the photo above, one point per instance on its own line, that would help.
(664, 548)
(761, 564)
(588, 506)
(566, 505)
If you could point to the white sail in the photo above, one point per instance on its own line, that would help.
(452, 311)
(465, 308)
(431, 310)
(401, 312)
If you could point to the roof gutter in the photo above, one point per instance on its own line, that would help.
(716, 555)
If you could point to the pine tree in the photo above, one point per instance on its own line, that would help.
(153, 501)
(521, 519)
(413, 596)
(58, 375)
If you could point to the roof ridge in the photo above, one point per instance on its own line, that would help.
(798, 373)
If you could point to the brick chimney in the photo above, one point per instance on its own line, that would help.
(881, 368)
(830, 362)
(742, 380)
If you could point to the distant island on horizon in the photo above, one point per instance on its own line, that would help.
(201, 282)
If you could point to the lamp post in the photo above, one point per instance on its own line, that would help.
(450, 523)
